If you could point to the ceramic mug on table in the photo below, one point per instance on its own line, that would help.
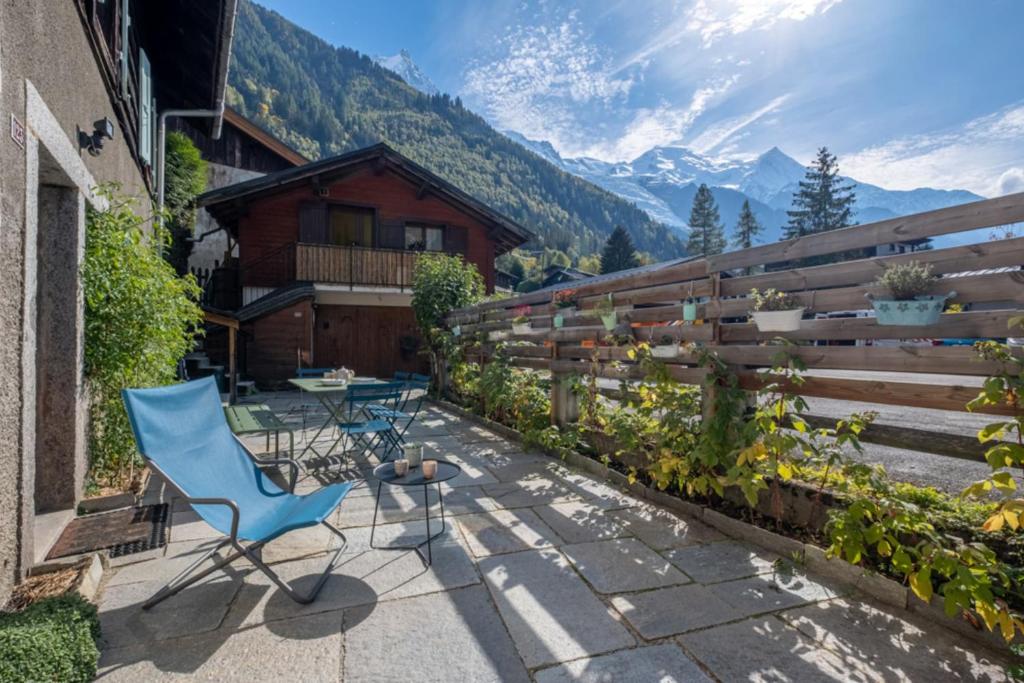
(401, 467)
(429, 469)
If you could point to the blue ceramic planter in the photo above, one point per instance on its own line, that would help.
(923, 310)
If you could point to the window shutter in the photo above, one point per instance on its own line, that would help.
(126, 22)
(391, 235)
(145, 109)
(313, 223)
(456, 239)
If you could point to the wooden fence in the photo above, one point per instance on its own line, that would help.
(986, 276)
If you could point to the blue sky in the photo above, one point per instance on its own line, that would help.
(908, 93)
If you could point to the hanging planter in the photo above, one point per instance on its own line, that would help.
(606, 310)
(521, 325)
(558, 320)
(908, 302)
(776, 311)
(457, 331)
(498, 335)
(690, 310)
(667, 348)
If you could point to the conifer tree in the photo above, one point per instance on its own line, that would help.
(707, 236)
(824, 202)
(747, 228)
(619, 252)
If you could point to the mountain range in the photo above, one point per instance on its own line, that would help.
(663, 181)
(403, 65)
(324, 100)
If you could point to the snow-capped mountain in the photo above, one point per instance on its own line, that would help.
(663, 181)
(403, 65)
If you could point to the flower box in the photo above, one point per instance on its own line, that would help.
(778, 321)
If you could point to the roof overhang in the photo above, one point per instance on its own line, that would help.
(227, 204)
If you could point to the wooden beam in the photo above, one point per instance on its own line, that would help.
(912, 439)
(982, 214)
(218, 319)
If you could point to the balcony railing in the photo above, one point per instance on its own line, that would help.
(331, 264)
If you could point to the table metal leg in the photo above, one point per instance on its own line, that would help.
(428, 558)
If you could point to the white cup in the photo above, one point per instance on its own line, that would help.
(429, 469)
(401, 467)
(414, 454)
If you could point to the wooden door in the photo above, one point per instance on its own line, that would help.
(372, 340)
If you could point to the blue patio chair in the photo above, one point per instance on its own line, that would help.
(183, 435)
(402, 417)
(373, 432)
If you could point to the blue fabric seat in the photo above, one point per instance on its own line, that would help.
(182, 433)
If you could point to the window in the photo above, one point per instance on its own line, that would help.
(424, 237)
(350, 226)
(147, 109)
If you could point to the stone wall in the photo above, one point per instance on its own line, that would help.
(50, 82)
(210, 252)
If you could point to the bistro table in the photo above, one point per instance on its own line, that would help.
(385, 474)
(332, 398)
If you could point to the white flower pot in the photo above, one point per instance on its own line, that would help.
(521, 328)
(667, 351)
(498, 335)
(778, 321)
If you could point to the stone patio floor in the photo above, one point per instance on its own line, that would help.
(544, 574)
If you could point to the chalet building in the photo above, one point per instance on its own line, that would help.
(82, 85)
(326, 254)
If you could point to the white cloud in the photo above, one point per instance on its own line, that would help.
(716, 135)
(982, 155)
(715, 19)
(660, 125)
(543, 76)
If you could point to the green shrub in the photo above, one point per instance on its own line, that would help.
(186, 178)
(51, 640)
(773, 300)
(140, 320)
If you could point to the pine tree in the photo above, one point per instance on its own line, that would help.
(619, 252)
(707, 235)
(747, 228)
(823, 201)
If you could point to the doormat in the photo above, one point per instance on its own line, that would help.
(121, 532)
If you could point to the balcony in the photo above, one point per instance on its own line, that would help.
(331, 264)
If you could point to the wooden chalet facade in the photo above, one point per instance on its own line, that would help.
(326, 253)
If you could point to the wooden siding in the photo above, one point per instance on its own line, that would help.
(354, 265)
(273, 342)
(272, 223)
(367, 339)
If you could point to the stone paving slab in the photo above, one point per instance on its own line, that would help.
(550, 613)
(505, 531)
(538, 490)
(622, 565)
(359, 579)
(307, 649)
(580, 522)
(766, 649)
(663, 530)
(670, 611)
(722, 561)
(772, 592)
(444, 637)
(662, 663)
(874, 639)
(196, 609)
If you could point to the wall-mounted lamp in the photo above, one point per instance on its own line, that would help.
(104, 128)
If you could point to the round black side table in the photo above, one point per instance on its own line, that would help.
(385, 474)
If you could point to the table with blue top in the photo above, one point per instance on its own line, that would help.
(385, 474)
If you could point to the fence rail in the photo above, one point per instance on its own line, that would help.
(988, 278)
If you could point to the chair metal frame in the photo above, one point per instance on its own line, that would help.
(364, 395)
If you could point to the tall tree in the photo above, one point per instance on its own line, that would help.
(619, 252)
(747, 228)
(707, 235)
(823, 202)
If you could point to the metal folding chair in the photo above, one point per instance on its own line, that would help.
(403, 416)
(182, 433)
(373, 432)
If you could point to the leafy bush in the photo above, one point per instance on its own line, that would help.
(140, 320)
(51, 640)
(773, 300)
(441, 283)
(186, 179)
(905, 281)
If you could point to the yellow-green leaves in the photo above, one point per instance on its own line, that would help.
(921, 584)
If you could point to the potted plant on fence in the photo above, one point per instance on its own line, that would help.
(521, 323)
(776, 311)
(908, 302)
(606, 309)
(565, 304)
(690, 306)
(667, 347)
